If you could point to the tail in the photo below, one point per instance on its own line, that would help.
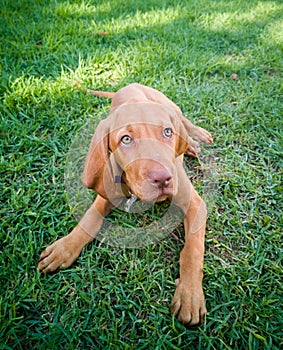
(96, 93)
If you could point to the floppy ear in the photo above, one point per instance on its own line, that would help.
(193, 148)
(182, 137)
(184, 143)
(97, 174)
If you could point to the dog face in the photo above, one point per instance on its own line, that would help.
(146, 155)
(139, 143)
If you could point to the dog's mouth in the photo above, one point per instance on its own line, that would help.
(152, 194)
(163, 196)
(154, 185)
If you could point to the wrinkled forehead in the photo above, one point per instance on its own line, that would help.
(148, 113)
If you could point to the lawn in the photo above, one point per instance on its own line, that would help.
(221, 62)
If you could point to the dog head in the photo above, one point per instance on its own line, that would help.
(137, 147)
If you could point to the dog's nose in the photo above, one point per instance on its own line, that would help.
(160, 178)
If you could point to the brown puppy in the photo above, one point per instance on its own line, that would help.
(142, 142)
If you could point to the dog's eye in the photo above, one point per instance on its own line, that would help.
(167, 133)
(126, 139)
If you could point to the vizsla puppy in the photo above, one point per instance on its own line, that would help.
(141, 144)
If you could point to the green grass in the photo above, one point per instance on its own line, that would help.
(117, 298)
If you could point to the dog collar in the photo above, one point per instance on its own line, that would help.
(119, 180)
(130, 201)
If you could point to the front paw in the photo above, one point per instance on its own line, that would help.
(59, 255)
(202, 135)
(188, 305)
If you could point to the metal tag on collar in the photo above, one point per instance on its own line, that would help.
(130, 202)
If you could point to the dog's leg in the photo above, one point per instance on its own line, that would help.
(197, 132)
(188, 303)
(65, 251)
